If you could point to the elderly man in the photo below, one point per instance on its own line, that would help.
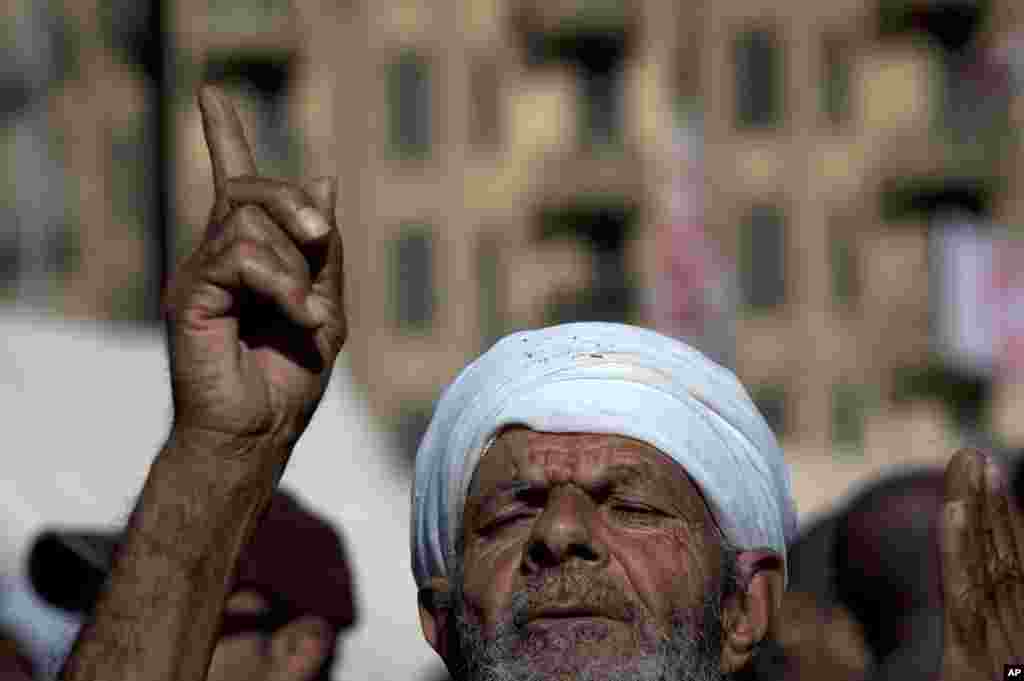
(598, 501)
(590, 502)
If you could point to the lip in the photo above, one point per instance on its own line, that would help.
(553, 614)
(593, 622)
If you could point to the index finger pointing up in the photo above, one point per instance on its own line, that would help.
(225, 138)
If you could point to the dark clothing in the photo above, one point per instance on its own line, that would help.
(294, 558)
(14, 666)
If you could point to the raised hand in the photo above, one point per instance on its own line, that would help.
(256, 314)
(982, 533)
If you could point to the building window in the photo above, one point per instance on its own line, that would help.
(131, 169)
(762, 257)
(758, 79)
(973, 111)
(600, 107)
(243, 7)
(843, 262)
(485, 109)
(39, 237)
(412, 425)
(488, 259)
(409, 106)
(275, 145)
(10, 251)
(835, 81)
(848, 407)
(773, 402)
(413, 283)
(259, 85)
(62, 248)
(603, 227)
(246, 16)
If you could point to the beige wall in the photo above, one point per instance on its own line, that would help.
(817, 172)
(820, 173)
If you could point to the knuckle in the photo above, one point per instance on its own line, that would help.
(294, 261)
(260, 260)
(1002, 568)
(290, 286)
(247, 253)
(220, 211)
(248, 216)
(249, 222)
(288, 195)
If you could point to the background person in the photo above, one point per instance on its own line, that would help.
(291, 600)
(888, 572)
(15, 662)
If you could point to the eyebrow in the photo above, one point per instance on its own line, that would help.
(619, 475)
(503, 489)
(622, 474)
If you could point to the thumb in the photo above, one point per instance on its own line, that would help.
(324, 192)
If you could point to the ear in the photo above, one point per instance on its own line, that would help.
(299, 648)
(436, 614)
(748, 614)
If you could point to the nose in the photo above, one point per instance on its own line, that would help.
(566, 530)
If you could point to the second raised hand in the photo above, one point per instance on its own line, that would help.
(982, 533)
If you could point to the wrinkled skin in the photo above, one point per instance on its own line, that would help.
(256, 314)
(690, 652)
(982, 570)
(613, 531)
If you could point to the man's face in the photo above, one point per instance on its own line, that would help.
(588, 557)
(261, 643)
(243, 655)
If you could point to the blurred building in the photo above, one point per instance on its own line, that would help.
(497, 161)
(841, 137)
(80, 145)
(505, 163)
(515, 155)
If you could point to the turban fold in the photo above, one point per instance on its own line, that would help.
(610, 379)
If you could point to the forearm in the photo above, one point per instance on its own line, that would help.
(158, 616)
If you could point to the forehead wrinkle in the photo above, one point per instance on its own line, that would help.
(579, 467)
(634, 475)
(624, 459)
(639, 470)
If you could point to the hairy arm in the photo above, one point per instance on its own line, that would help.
(256, 319)
(158, 616)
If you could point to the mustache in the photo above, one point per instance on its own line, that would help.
(577, 589)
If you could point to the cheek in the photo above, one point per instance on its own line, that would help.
(669, 572)
(490, 583)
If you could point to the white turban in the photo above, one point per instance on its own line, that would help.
(611, 379)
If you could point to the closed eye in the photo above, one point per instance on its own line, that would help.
(637, 513)
(634, 508)
(500, 523)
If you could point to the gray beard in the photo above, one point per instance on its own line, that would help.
(691, 652)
